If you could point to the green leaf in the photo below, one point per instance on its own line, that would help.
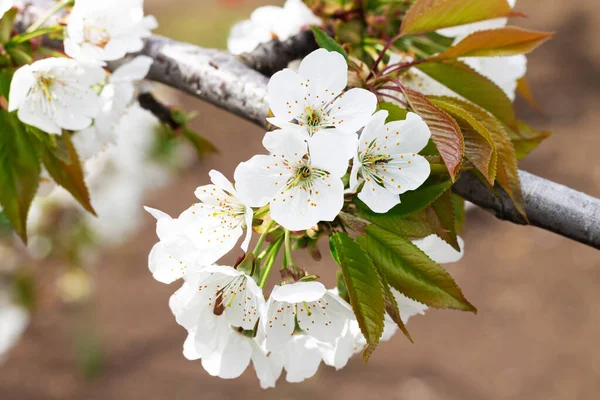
(327, 43)
(6, 75)
(365, 288)
(527, 139)
(391, 307)
(395, 112)
(471, 85)
(480, 148)
(411, 202)
(459, 209)
(7, 24)
(502, 42)
(412, 272)
(21, 54)
(68, 174)
(19, 172)
(445, 132)
(431, 15)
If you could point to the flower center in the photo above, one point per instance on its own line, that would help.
(372, 163)
(304, 177)
(44, 85)
(96, 36)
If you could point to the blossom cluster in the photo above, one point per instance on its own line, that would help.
(297, 186)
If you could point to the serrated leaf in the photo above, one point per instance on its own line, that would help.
(525, 91)
(431, 15)
(391, 307)
(364, 286)
(459, 210)
(395, 112)
(445, 132)
(480, 148)
(527, 139)
(410, 271)
(501, 42)
(19, 172)
(68, 174)
(473, 86)
(444, 209)
(327, 43)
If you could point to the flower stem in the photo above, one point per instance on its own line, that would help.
(272, 255)
(42, 20)
(289, 261)
(262, 238)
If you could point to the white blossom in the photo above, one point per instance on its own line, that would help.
(203, 233)
(107, 30)
(268, 23)
(56, 93)
(302, 188)
(387, 160)
(312, 102)
(13, 321)
(116, 96)
(5, 5)
(320, 314)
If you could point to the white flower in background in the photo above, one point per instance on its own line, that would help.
(268, 23)
(319, 313)
(313, 103)
(107, 30)
(300, 357)
(56, 93)
(503, 71)
(301, 189)
(388, 162)
(116, 96)
(203, 233)
(5, 5)
(13, 321)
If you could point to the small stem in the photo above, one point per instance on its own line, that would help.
(288, 250)
(46, 16)
(382, 54)
(262, 238)
(273, 252)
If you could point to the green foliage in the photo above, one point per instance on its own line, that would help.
(365, 289)
(6, 25)
(327, 43)
(445, 132)
(412, 272)
(526, 139)
(395, 112)
(391, 307)
(431, 15)
(471, 85)
(202, 146)
(508, 41)
(60, 159)
(444, 211)
(19, 172)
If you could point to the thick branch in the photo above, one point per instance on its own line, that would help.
(225, 81)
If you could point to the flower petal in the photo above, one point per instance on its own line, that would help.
(353, 110)
(330, 150)
(324, 72)
(259, 179)
(286, 94)
(378, 198)
(439, 251)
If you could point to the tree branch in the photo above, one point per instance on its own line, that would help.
(226, 82)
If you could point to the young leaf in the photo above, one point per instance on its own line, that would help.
(7, 24)
(444, 209)
(471, 85)
(527, 139)
(431, 15)
(445, 132)
(364, 286)
(412, 272)
(391, 307)
(525, 91)
(508, 41)
(19, 172)
(68, 174)
(326, 42)
(480, 148)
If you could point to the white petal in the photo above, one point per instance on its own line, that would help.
(324, 70)
(438, 250)
(249, 218)
(335, 162)
(231, 359)
(408, 136)
(278, 324)
(408, 307)
(378, 198)
(404, 173)
(189, 347)
(21, 83)
(301, 358)
(220, 181)
(299, 292)
(503, 71)
(259, 179)
(353, 110)
(135, 70)
(373, 130)
(286, 95)
(163, 266)
(324, 319)
(268, 367)
(285, 145)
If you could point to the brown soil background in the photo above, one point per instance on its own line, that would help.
(536, 334)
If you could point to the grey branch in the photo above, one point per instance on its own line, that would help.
(227, 82)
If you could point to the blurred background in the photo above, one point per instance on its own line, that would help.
(536, 334)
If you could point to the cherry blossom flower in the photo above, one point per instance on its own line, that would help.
(302, 189)
(320, 314)
(56, 93)
(5, 5)
(107, 30)
(268, 23)
(313, 103)
(116, 96)
(203, 233)
(388, 162)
